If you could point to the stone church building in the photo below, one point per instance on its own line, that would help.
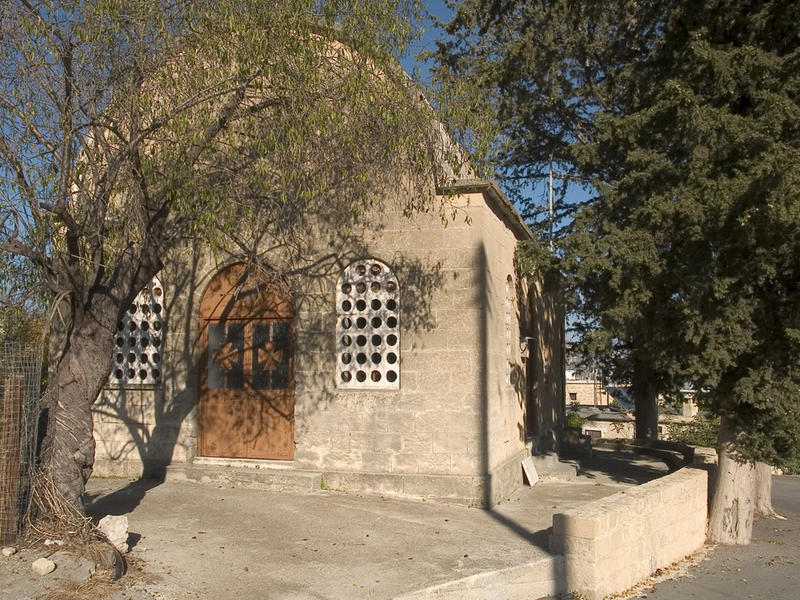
(418, 365)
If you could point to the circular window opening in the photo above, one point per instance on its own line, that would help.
(118, 373)
(131, 357)
(376, 340)
(391, 322)
(376, 304)
(156, 341)
(391, 358)
(361, 305)
(132, 326)
(157, 326)
(120, 341)
(156, 373)
(375, 286)
(361, 269)
(391, 304)
(346, 358)
(361, 340)
(375, 376)
(391, 376)
(157, 309)
(145, 325)
(143, 358)
(391, 339)
(376, 322)
(346, 340)
(361, 322)
(361, 358)
(376, 358)
(346, 288)
(361, 287)
(131, 373)
(156, 357)
(142, 374)
(346, 376)
(347, 306)
(361, 376)
(375, 269)
(157, 292)
(120, 358)
(391, 286)
(346, 323)
(145, 342)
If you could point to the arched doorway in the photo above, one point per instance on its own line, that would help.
(246, 370)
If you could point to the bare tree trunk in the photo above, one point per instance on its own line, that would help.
(763, 492)
(645, 398)
(732, 508)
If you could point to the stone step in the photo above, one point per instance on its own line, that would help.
(240, 474)
(539, 579)
(551, 468)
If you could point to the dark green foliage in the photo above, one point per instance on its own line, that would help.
(685, 118)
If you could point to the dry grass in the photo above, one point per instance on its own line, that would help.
(99, 586)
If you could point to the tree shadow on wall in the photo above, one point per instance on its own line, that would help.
(161, 423)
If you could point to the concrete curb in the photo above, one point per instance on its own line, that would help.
(538, 579)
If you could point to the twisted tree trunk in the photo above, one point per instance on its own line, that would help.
(68, 449)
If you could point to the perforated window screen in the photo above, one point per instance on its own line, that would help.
(139, 340)
(368, 327)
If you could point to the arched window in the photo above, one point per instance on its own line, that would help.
(139, 340)
(368, 327)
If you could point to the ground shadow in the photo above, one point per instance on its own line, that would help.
(119, 502)
(621, 467)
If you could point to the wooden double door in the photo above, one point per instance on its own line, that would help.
(246, 391)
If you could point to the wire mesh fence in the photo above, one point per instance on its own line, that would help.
(20, 383)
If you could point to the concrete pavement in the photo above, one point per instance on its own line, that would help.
(195, 541)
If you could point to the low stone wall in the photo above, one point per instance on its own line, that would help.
(611, 544)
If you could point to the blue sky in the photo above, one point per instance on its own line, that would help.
(440, 10)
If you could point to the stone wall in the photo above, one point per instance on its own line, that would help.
(453, 429)
(587, 393)
(611, 544)
(546, 410)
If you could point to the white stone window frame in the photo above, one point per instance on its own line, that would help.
(139, 341)
(368, 327)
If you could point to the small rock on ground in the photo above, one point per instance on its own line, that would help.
(43, 566)
(9, 551)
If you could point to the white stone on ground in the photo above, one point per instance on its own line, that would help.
(9, 550)
(43, 566)
(115, 528)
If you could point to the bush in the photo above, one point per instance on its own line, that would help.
(574, 420)
(702, 431)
